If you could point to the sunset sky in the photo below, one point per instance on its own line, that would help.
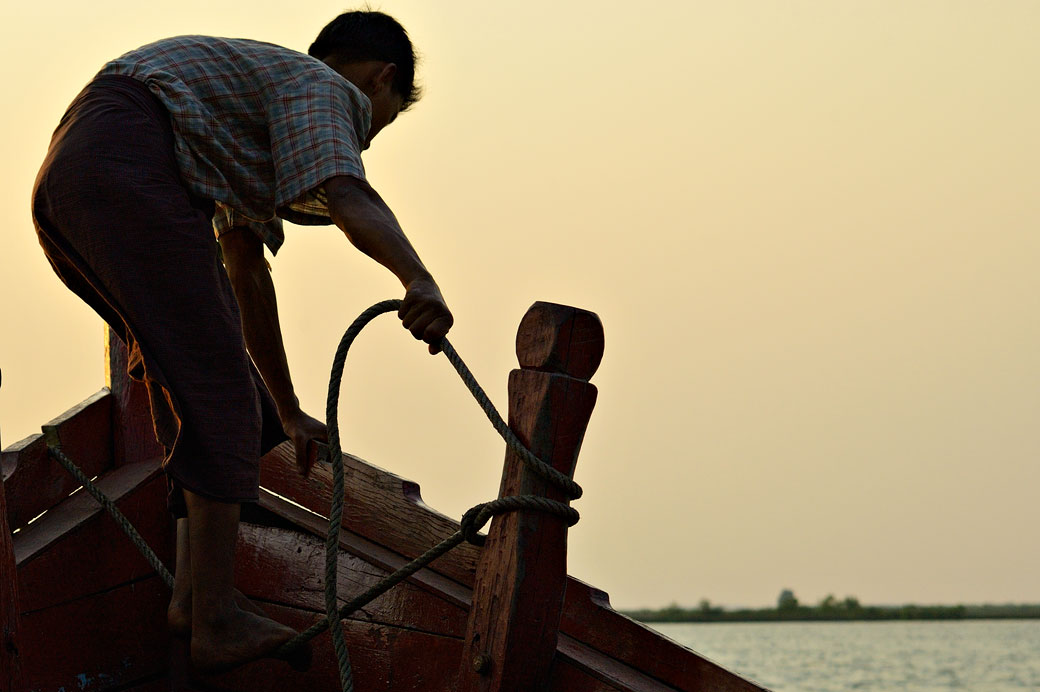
(811, 230)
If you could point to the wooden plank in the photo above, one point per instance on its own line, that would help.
(436, 584)
(290, 574)
(577, 668)
(588, 618)
(11, 678)
(24, 463)
(133, 435)
(383, 658)
(78, 509)
(76, 549)
(286, 567)
(518, 594)
(645, 653)
(378, 505)
(97, 643)
(569, 678)
(34, 481)
(84, 431)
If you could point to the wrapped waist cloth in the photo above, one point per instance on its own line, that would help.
(123, 232)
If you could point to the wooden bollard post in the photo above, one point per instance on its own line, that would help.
(11, 677)
(133, 435)
(518, 592)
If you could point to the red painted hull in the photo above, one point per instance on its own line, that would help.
(91, 612)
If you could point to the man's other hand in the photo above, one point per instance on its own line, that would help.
(301, 429)
(424, 313)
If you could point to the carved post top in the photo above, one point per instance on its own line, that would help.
(560, 339)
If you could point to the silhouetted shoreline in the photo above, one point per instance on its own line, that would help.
(831, 610)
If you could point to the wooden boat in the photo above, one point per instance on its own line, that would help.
(81, 609)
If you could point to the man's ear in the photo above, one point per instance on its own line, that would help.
(385, 78)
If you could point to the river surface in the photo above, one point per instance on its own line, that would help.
(937, 656)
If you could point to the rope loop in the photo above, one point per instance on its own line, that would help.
(477, 517)
(472, 522)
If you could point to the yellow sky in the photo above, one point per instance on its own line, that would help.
(810, 229)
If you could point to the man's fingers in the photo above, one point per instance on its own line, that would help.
(302, 430)
(424, 313)
(437, 329)
(302, 458)
(428, 323)
(409, 313)
(421, 323)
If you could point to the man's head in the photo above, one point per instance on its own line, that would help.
(373, 51)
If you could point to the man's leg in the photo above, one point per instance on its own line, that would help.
(179, 613)
(223, 635)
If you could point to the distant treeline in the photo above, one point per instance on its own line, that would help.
(831, 609)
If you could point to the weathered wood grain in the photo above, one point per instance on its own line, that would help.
(76, 549)
(383, 658)
(133, 435)
(96, 643)
(34, 481)
(287, 567)
(518, 593)
(378, 505)
(436, 584)
(638, 654)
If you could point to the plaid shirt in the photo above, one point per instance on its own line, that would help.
(258, 128)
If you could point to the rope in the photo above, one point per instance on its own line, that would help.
(110, 507)
(548, 473)
(472, 521)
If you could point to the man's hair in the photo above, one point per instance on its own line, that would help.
(359, 36)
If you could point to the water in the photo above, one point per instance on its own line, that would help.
(937, 656)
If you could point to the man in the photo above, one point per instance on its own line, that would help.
(166, 144)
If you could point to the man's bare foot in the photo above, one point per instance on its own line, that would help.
(235, 638)
(178, 615)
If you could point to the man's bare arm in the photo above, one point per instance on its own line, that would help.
(251, 279)
(369, 224)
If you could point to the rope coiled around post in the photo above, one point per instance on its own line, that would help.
(472, 521)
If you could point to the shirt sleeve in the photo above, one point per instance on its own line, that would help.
(316, 133)
(269, 231)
